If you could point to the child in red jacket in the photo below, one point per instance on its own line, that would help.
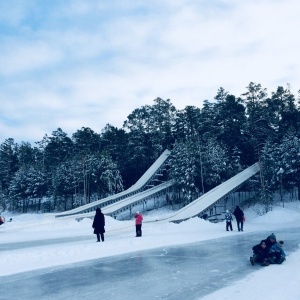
(138, 223)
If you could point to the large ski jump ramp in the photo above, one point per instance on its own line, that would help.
(195, 208)
(207, 200)
(138, 187)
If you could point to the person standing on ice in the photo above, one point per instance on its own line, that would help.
(228, 218)
(239, 216)
(138, 223)
(98, 225)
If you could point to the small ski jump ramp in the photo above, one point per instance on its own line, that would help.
(209, 199)
(138, 187)
(128, 203)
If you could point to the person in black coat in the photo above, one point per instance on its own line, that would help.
(98, 225)
(260, 254)
(270, 241)
(239, 216)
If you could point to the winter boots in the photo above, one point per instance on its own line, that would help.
(280, 260)
(265, 263)
(272, 260)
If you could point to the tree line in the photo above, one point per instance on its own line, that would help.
(209, 145)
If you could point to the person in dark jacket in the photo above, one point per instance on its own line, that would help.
(276, 253)
(98, 225)
(270, 241)
(260, 254)
(239, 216)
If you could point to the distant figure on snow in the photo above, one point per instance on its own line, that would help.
(228, 218)
(138, 223)
(239, 216)
(98, 225)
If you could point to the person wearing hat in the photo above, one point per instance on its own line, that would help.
(270, 241)
(276, 253)
(228, 218)
(98, 225)
(138, 223)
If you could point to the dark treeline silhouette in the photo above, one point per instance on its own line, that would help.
(209, 145)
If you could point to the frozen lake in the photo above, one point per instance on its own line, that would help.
(178, 272)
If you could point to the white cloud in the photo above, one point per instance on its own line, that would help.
(19, 57)
(86, 59)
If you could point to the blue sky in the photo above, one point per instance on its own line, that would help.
(86, 63)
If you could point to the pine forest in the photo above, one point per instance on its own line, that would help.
(209, 145)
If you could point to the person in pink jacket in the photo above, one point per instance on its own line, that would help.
(138, 223)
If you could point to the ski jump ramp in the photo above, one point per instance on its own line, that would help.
(209, 199)
(195, 208)
(126, 204)
(137, 188)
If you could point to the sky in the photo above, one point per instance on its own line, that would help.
(86, 63)
(120, 239)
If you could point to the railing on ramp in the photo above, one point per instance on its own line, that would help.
(195, 208)
(138, 187)
(209, 199)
